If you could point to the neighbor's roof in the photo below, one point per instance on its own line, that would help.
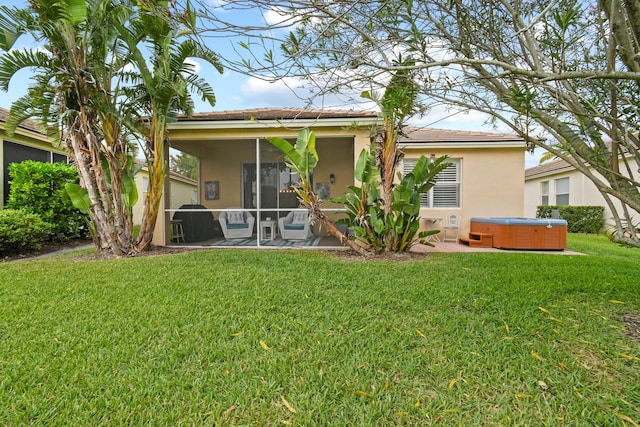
(276, 114)
(27, 124)
(549, 168)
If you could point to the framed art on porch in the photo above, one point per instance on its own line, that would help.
(212, 190)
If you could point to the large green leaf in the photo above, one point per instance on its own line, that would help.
(79, 197)
(129, 190)
(77, 10)
(302, 157)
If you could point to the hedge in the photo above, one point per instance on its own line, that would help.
(21, 231)
(38, 187)
(580, 219)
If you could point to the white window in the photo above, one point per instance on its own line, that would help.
(446, 192)
(544, 192)
(562, 191)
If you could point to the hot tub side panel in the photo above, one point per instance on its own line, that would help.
(523, 236)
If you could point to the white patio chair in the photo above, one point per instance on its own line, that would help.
(295, 226)
(453, 225)
(236, 224)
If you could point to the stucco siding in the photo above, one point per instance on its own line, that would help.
(492, 184)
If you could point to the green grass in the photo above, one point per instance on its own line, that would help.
(232, 337)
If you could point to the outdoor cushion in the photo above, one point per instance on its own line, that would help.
(235, 217)
(237, 226)
(299, 218)
(294, 226)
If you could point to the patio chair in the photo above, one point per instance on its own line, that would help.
(236, 224)
(453, 225)
(295, 226)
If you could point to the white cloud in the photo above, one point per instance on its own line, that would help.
(295, 92)
(281, 19)
(288, 92)
(196, 65)
(440, 116)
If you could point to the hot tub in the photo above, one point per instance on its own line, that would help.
(523, 233)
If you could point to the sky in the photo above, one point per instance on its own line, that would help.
(236, 91)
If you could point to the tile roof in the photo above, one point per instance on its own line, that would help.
(545, 168)
(27, 124)
(276, 114)
(412, 134)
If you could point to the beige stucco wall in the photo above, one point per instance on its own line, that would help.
(582, 191)
(492, 183)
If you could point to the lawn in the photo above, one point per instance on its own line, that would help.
(244, 337)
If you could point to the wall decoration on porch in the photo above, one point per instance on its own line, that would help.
(322, 190)
(212, 190)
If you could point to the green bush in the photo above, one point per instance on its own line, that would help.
(38, 187)
(580, 219)
(21, 231)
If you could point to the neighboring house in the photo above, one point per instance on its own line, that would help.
(559, 183)
(238, 167)
(184, 191)
(28, 143)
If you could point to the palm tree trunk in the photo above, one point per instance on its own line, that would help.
(156, 184)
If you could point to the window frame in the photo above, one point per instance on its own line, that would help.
(544, 193)
(431, 200)
(559, 194)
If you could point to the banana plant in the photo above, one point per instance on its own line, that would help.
(303, 158)
(396, 229)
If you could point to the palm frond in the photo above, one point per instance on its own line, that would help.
(16, 60)
(202, 88)
(11, 27)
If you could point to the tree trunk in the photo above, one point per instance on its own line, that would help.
(157, 172)
(313, 206)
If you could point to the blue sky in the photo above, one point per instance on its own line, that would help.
(237, 91)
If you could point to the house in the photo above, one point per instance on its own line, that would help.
(559, 183)
(28, 143)
(239, 169)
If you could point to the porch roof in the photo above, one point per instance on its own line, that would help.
(276, 114)
(275, 118)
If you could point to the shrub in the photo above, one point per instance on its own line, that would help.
(21, 231)
(580, 219)
(38, 187)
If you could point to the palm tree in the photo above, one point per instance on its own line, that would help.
(86, 97)
(164, 90)
(73, 99)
